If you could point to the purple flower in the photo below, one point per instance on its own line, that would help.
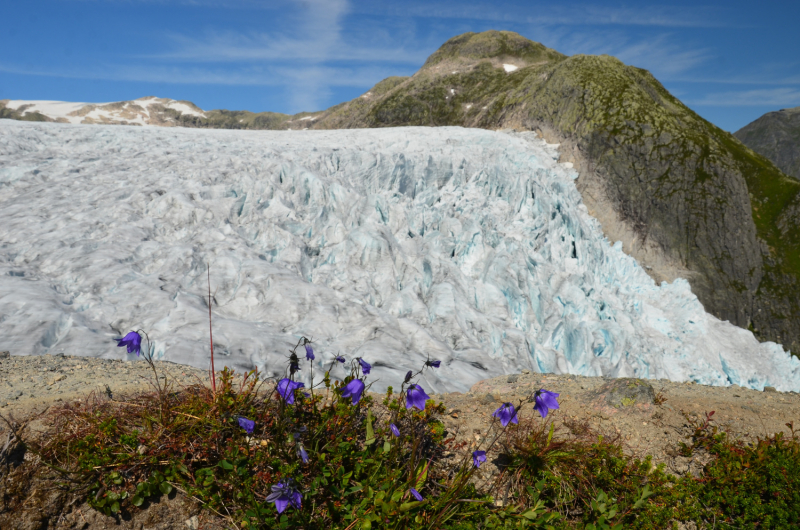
(507, 414)
(394, 429)
(340, 359)
(286, 388)
(247, 425)
(299, 432)
(416, 494)
(354, 389)
(133, 341)
(294, 366)
(285, 493)
(478, 458)
(408, 376)
(365, 366)
(416, 397)
(433, 364)
(301, 452)
(309, 353)
(545, 401)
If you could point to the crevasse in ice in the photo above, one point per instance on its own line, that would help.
(394, 245)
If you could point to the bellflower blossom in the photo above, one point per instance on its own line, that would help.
(247, 425)
(433, 364)
(309, 353)
(365, 366)
(286, 388)
(416, 494)
(285, 493)
(394, 429)
(353, 390)
(133, 341)
(545, 401)
(416, 397)
(408, 377)
(507, 414)
(301, 452)
(478, 458)
(340, 359)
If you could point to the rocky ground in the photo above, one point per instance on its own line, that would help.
(650, 417)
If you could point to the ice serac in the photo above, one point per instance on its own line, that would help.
(464, 245)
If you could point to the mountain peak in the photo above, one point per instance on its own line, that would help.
(502, 47)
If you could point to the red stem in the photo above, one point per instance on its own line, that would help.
(211, 336)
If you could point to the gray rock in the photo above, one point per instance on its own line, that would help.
(5, 354)
(513, 378)
(627, 392)
(770, 389)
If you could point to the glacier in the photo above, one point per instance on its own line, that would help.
(395, 245)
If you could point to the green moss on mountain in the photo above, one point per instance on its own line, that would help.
(492, 44)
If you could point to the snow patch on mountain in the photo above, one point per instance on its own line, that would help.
(464, 245)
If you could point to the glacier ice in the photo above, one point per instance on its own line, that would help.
(465, 245)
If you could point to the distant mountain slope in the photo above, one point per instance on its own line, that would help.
(776, 135)
(150, 110)
(686, 198)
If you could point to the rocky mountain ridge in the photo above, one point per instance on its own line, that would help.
(686, 198)
(776, 135)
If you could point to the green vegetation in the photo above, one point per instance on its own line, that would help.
(267, 455)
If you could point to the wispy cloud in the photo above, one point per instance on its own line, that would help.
(233, 47)
(774, 97)
(269, 76)
(576, 14)
(663, 53)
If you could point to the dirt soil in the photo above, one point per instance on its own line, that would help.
(650, 417)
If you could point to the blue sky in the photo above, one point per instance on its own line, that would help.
(730, 61)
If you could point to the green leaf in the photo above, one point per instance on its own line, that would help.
(550, 434)
(408, 505)
(115, 507)
(165, 488)
(387, 446)
(422, 475)
(370, 430)
(224, 464)
(137, 500)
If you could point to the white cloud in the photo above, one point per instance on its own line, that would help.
(774, 97)
(530, 13)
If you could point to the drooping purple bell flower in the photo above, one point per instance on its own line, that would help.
(294, 366)
(133, 341)
(286, 388)
(416, 494)
(416, 397)
(247, 425)
(507, 414)
(394, 429)
(478, 458)
(408, 376)
(433, 364)
(365, 366)
(309, 353)
(285, 493)
(545, 401)
(340, 359)
(301, 452)
(353, 390)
